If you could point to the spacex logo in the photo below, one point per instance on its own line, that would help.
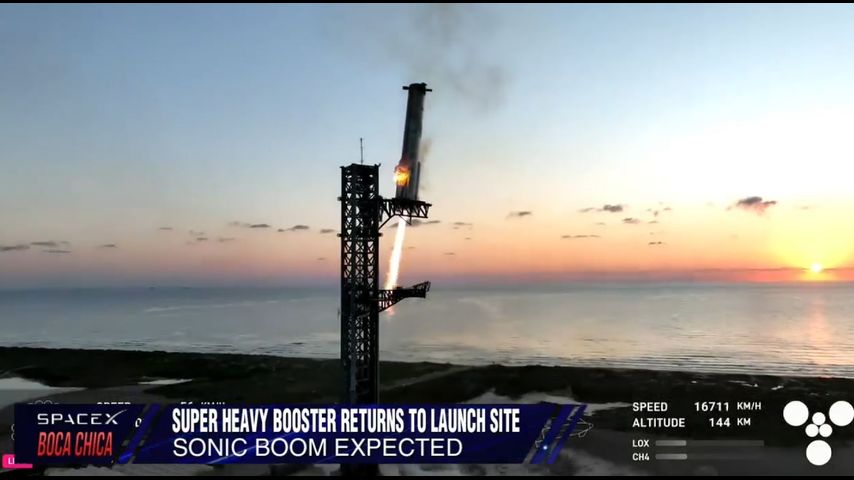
(796, 414)
(78, 419)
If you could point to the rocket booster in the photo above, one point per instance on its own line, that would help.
(408, 170)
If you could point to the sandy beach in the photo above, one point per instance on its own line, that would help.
(81, 376)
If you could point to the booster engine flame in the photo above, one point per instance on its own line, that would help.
(396, 253)
(401, 176)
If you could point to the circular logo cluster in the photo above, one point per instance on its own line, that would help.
(796, 414)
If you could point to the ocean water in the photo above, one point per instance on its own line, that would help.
(778, 329)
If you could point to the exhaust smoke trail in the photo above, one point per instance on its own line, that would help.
(396, 253)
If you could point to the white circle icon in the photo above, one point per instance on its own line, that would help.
(841, 413)
(812, 430)
(796, 413)
(818, 452)
(825, 430)
(818, 418)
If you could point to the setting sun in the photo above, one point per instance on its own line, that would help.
(816, 268)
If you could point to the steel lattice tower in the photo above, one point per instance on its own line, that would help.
(360, 240)
(363, 213)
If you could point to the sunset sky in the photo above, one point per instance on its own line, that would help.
(139, 144)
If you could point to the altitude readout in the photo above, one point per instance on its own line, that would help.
(710, 407)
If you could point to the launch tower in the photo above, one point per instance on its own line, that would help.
(363, 214)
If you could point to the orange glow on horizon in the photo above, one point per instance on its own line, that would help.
(817, 273)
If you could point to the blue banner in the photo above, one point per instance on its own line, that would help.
(269, 434)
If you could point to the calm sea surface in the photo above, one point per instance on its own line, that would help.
(777, 329)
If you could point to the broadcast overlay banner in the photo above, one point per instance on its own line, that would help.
(216, 434)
